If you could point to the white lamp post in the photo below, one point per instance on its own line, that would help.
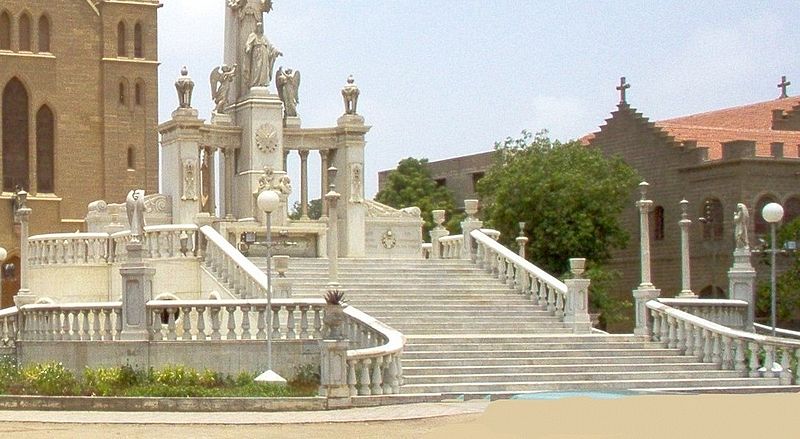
(269, 201)
(773, 214)
(3, 255)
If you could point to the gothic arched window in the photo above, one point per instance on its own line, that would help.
(45, 143)
(123, 92)
(131, 158)
(5, 31)
(15, 135)
(138, 45)
(122, 42)
(25, 33)
(44, 34)
(138, 93)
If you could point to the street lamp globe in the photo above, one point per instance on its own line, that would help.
(268, 201)
(3, 254)
(772, 212)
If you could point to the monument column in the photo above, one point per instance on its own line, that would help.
(303, 184)
(23, 216)
(684, 223)
(646, 291)
(323, 159)
(228, 182)
(349, 159)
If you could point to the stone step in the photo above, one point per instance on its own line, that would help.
(413, 371)
(627, 361)
(455, 310)
(411, 330)
(536, 353)
(477, 327)
(663, 383)
(519, 338)
(528, 346)
(567, 376)
(489, 318)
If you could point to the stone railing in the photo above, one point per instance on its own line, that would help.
(68, 249)
(452, 246)
(751, 354)
(519, 274)
(374, 368)
(232, 268)
(730, 313)
(78, 321)
(235, 319)
(427, 250)
(159, 242)
(8, 327)
(785, 333)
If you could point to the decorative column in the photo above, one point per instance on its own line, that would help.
(468, 225)
(333, 232)
(576, 308)
(323, 159)
(137, 286)
(228, 191)
(686, 277)
(22, 215)
(646, 290)
(522, 240)
(438, 232)
(303, 184)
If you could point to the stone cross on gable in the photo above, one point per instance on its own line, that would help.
(622, 87)
(783, 85)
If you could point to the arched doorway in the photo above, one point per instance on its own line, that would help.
(10, 272)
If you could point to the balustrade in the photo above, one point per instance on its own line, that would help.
(8, 327)
(84, 321)
(751, 354)
(373, 368)
(68, 248)
(159, 242)
(231, 268)
(451, 246)
(730, 313)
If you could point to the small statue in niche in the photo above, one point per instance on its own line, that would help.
(184, 85)
(134, 205)
(261, 55)
(288, 83)
(741, 221)
(350, 94)
(355, 186)
(189, 179)
(221, 79)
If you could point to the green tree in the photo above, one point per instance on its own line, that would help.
(411, 185)
(787, 294)
(314, 210)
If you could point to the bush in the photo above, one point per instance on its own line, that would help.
(9, 373)
(111, 380)
(51, 379)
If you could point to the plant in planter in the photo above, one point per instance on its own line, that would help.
(334, 314)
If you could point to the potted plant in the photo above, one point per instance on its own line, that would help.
(334, 314)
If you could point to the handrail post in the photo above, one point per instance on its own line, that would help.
(576, 310)
(468, 225)
(137, 284)
(438, 233)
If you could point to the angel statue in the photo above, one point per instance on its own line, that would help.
(741, 221)
(134, 205)
(221, 79)
(288, 83)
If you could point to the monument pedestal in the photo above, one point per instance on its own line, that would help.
(641, 296)
(742, 283)
(137, 289)
(333, 372)
(180, 155)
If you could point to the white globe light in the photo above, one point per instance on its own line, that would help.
(3, 254)
(772, 212)
(268, 201)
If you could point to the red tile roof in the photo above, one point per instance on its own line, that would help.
(749, 122)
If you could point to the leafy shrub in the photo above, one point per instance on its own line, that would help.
(110, 380)
(9, 373)
(51, 379)
(176, 375)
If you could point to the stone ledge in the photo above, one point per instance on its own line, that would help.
(152, 404)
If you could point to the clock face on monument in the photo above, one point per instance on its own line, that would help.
(267, 138)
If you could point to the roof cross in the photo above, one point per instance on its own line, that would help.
(622, 87)
(783, 85)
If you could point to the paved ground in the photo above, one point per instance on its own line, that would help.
(645, 416)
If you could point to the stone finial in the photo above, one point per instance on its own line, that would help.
(350, 94)
(622, 87)
(643, 186)
(438, 217)
(522, 228)
(184, 85)
(332, 171)
(783, 86)
(471, 208)
(577, 266)
(684, 209)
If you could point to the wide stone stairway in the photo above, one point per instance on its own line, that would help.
(467, 333)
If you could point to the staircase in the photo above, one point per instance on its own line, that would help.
(467, 333)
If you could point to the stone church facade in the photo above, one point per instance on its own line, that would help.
(79, 108)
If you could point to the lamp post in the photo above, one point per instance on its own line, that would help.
(269, 201)
(3, 255)
(773, 214)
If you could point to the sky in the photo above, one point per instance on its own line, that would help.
(445, 78)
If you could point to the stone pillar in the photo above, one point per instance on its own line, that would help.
(349, 159)
(180, 163)
(522, 240)
(23, 216)
(230, 171)
(576, 308)
(468, 225)
(137, 289)
(686, 276)
(303, 184)
(646, 290)
(333, 232)
(323, 159)
(333, 373)
(437, 233)
(742, 283)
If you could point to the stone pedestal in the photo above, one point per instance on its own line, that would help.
(437, 233)
(576, 308)
(333, 371)
(468, 225)
(180, 163)
(137, 289)
(742, 283)
(641, 296)
(349, 160)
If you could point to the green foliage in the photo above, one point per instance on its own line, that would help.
(411, 185)
(787, 297)
(9, 373)
(306, 379)
(314, 210)
(108, 381)
(614, 312)
(51, 379)
(569, 196)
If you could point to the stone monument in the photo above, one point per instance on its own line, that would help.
(742, 275)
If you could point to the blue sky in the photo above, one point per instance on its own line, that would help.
(443, 78)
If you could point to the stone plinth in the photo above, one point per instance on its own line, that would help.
(333, 370)
(641, 296)
(742, 283)
(576, 308)
(137, 289)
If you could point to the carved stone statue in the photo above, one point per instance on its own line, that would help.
(350, 94)
(260, 55)
(276, 181)
(741, 221)
(134, 204)
(221, 79)
(189, 178)
(288, 83)
(184, 85)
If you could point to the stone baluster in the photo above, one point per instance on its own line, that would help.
(96, 324)
(727, 353)
(716, 349)
(215, 322)
(664, 335)
(698, 343)
(753, 363)
(155, 326)
(107, 335)
(707, 346)
(351, 377)
(290, 323)
(672, 339)
(681, 334)
(769, 361)
(317, 322)
(688, 334)
(187, 323)
(172, 333)
(276, 322)
(75, 334)
(303, 322)
(261, 322)
(201, 323)
(231, 335)
(246, 335)
(785, 373)
(363, 388)
(376, 387)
